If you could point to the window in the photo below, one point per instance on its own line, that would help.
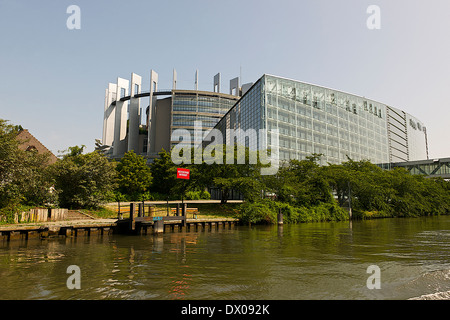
(122, 92)
(136, 89)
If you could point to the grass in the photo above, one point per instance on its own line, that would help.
(206, 210)
(101, 213)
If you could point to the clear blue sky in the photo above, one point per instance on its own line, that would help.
(52, 79)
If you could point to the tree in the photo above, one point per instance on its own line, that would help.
(244, 178)
(23, 174)
(311, 184)
(9, 157)
(83, 180)
(133, 175)
(164, 174)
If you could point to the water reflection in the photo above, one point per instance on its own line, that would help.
(308, 261)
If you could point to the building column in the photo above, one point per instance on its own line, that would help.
(120, 125)
(133, 126)
(152, 113)
(109, 114)
(216, 83)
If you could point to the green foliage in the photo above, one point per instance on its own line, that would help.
(83, 180)
(198, 195)
(164, 173)
(265, 211)
(257, 212)
(133, 176)
(24, 178)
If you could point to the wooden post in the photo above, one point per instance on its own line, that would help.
(167, 206)
(183, 214)
(132, 209)
(158, 227)
(349, 201)
(280, 217)
(140, 210)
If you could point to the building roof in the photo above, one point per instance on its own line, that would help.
(29, 142)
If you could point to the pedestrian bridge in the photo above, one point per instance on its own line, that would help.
(430, 168)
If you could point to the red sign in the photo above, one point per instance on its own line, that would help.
(183, 173)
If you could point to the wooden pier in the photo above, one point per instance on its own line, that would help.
(135, 225)
(178, 222)
(57, 229)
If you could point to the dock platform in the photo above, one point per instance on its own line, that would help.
(136, 226)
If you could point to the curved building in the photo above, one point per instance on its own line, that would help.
(308, 119)
(127, 127)
(314, 119)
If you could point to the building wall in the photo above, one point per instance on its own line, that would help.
(178, 109)
(313, 119)
(163, 118)
(397, 133)
(207, 107)
(417, 139)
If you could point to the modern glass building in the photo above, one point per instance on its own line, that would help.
(314, 119)
(309, 119)
(190, 106)
(126, 127)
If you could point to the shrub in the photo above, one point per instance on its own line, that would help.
(198, 195)
(257, 212)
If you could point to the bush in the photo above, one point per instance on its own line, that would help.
(257, 213)
(265, 211)
(198, 195)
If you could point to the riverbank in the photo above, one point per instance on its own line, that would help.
(95, 227)
(205, 208)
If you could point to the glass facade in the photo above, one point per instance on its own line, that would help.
(312, 119)
(248, 113)
(191, 106)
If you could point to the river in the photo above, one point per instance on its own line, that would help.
(291, 262)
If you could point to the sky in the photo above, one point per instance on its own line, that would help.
(53, 79)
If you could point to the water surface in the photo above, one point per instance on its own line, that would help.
(305, 261)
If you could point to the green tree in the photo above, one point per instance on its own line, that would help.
(242, 175)
(368, 184)
(9, 163)
(133, 175)
(83, 180)
(164, 174)
(23, 174)
(311, 184)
